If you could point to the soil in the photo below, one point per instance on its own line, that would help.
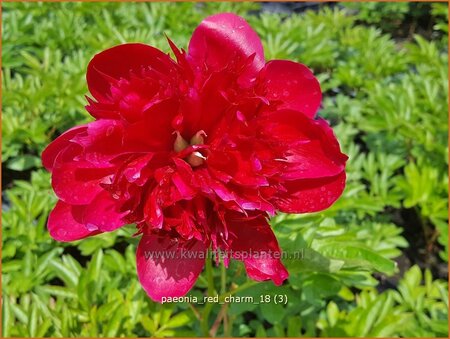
(8, 176)
(422, 251)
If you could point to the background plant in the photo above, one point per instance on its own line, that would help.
(372, 263)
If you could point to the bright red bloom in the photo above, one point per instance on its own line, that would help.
(197, 152)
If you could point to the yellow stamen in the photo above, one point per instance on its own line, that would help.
(195, 159)
(198, 138)
(180, 143)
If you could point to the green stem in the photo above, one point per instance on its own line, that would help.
(205, 319)
(223, 278)
(208, 307)
(244, 286)
(229, 328)
(209, 276)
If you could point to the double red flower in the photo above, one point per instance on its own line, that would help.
(197, 151)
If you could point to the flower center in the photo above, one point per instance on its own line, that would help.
(195, 158)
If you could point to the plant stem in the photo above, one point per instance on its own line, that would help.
(205, 319)
(209, 277)
(208, 306)
(223, 278)
(223, 287)
(244, 286)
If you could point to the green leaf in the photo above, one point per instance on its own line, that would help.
(358, 257)
(43, 328)
(7, 320)
(181, 319)
(311, 260)
(148, 324)
(32, 321)
(114, 324)
(273, 313)
(23, 162)
(294, 327)
(261, 332)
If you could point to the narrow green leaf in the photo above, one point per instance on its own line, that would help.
(358, 257)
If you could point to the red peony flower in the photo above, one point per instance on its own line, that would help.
(198, 152)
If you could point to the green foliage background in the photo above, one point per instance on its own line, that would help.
(387, 100)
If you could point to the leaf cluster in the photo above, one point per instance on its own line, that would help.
(387, 101)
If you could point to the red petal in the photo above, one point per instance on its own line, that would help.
(294, 85)
(163, 269)
(117, 62)
(135, 169)
(77, 182)
(207, 99)
(310, 195)
(239, 165)
(258, 248)
(154, 131)
(102, 213)
(152, 210)
(56, 146)
(64, 223)
(307, 148)
(224, 38)
(102, 141)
